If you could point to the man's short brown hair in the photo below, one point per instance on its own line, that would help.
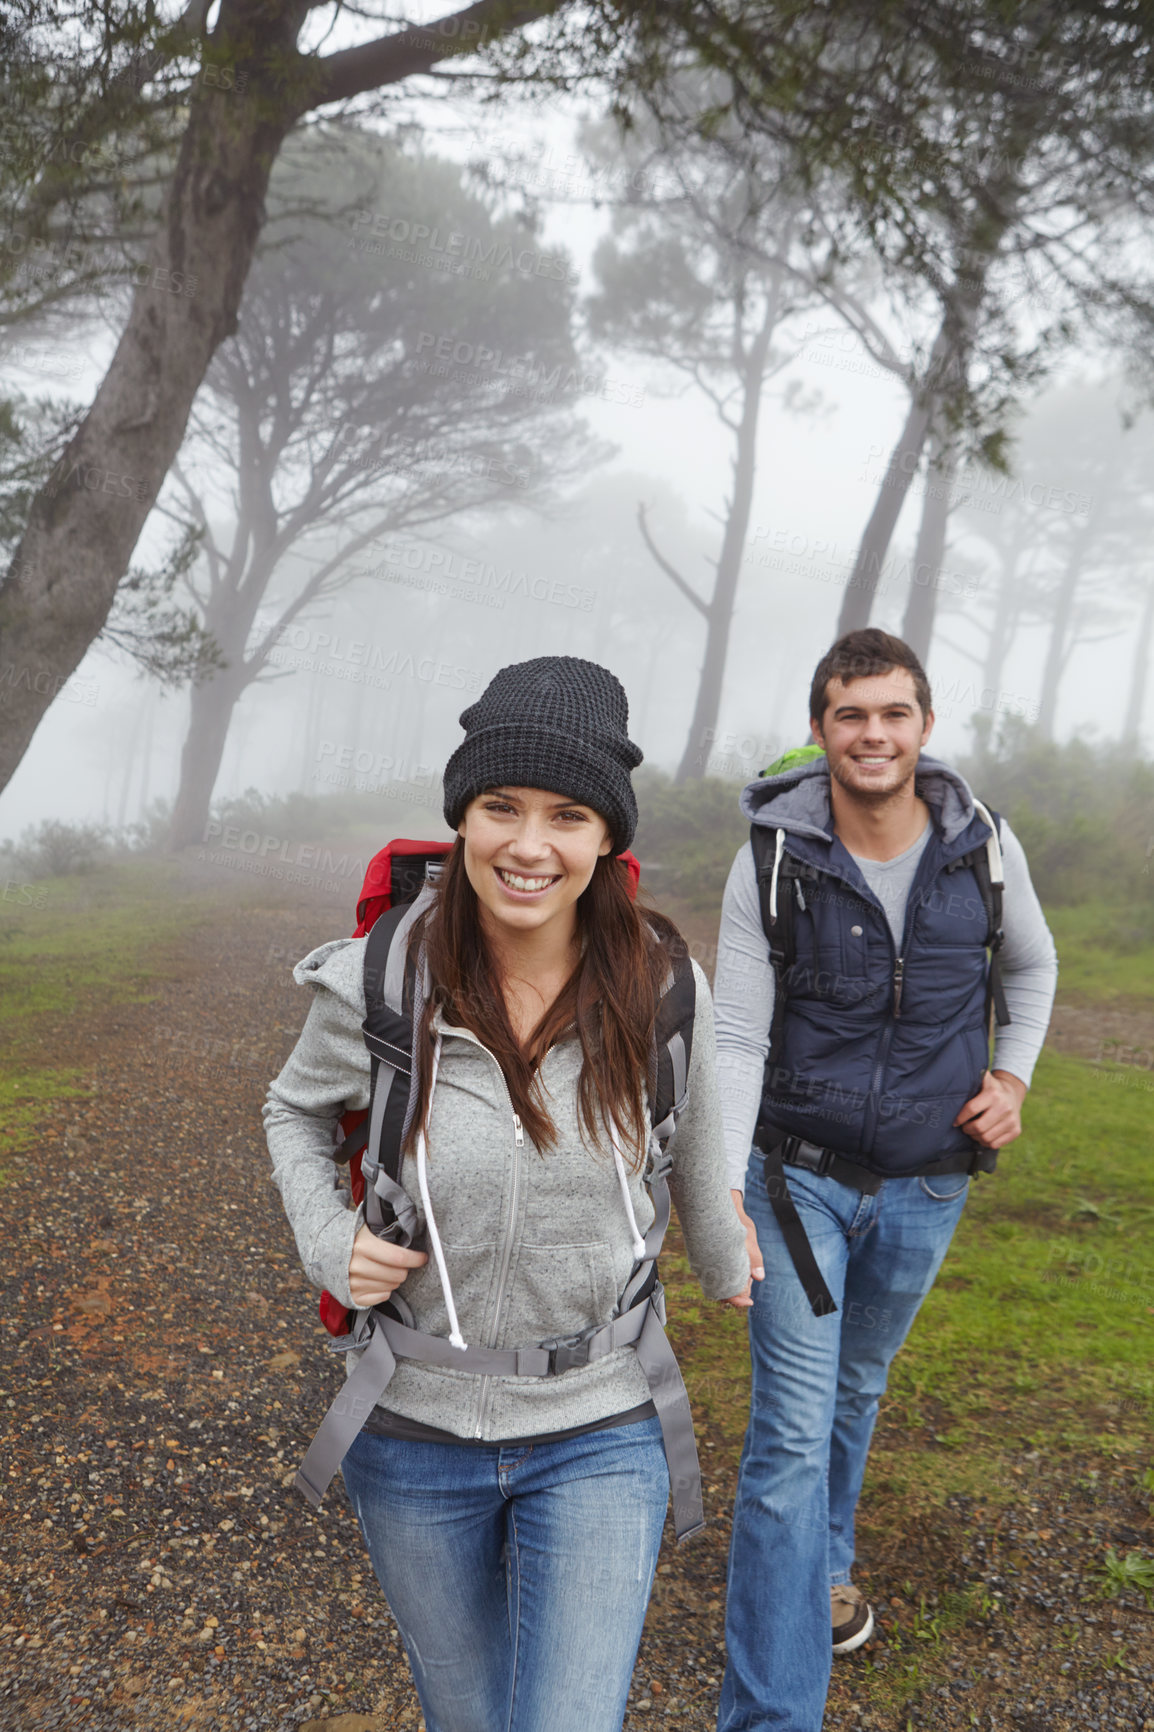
(861, 654)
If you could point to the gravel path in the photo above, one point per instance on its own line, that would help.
(163, 1373)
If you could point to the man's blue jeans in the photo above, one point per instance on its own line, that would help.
(519, 1578)
(815, 1390)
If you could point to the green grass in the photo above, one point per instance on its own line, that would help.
(71, 949)
(1042, 1321)
(1041, 1325)
(1104, 952)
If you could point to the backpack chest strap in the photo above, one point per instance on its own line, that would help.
(383, 1340)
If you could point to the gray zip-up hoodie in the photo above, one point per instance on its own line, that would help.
(537, 1246)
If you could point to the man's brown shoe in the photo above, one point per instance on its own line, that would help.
(853, 1622)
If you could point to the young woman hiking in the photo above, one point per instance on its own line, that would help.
(514, 1521)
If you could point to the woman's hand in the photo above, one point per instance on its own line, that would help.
(741, 1301)
(377, 1267)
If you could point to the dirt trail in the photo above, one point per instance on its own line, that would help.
(164, 1370)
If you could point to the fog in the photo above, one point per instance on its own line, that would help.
(364, 687)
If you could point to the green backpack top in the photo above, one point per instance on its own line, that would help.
(791, 759)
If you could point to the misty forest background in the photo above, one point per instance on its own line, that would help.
(348, 354)
(649, 357)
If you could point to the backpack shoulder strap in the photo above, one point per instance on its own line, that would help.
(779, 892)
(672, 1045)
(394, 1000)
(986, 863)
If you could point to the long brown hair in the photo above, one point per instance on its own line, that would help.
(610, 1001)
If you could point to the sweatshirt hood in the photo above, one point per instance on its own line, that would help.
(797, 799)
(339, 966)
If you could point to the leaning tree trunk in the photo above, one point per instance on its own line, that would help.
(857, 603)
(1059, 632)
(1004, 626)
(947, 362)
(211, 705)
(918, 624)
(720, 612)
(1140, 669)
(84, 522)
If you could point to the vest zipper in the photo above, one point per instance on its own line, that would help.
(899, 971)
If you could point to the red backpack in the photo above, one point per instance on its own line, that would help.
(392, 880)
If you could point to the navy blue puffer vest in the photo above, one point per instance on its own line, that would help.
(877, 1080)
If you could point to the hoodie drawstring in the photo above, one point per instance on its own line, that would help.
(622, 1180)
(456, 1339)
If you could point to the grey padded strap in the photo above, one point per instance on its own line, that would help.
(675, 1047)
(388, 1340)
(394, 986)
(385, 1078)
(672, 1403)
(345, 1418)
(407, 1222)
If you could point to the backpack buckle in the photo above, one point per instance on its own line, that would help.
(568, 1355)
(660, 1163)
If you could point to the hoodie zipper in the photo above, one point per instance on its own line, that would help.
(506, 1258)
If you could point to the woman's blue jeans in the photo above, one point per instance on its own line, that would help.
(816, 1382)
(518, 1577)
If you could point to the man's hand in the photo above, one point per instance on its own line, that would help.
(994, 1116)
(377, 1267)
(756, 1267)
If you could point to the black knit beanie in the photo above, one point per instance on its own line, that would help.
(557, 723)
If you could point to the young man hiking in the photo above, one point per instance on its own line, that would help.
(866, 1093)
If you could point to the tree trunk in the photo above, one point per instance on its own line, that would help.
(1140, 669)
(210, 713)
(1059, 631)
(925, 579)
(857, 603)
(720, 614)
(84, 523)
(1007, 613)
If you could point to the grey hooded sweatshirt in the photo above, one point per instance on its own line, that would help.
(538, 1246)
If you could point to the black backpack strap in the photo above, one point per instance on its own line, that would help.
(673, 1045)
(393, 1005)
(986, 864)
(669, 1062)
(779, 892)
